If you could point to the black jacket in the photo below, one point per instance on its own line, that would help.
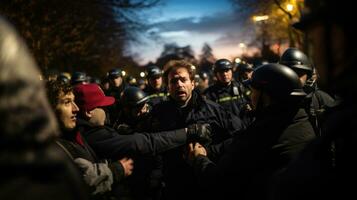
(327, 167)
(178, 176)
(315, 104)
(251, 158)
(231, 98)
(108, 143)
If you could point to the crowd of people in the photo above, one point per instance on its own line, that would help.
(276, 131)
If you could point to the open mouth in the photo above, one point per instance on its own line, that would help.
(181, 93)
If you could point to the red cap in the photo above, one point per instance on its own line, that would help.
(90, 96)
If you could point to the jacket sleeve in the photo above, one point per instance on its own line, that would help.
(227, 120)
(110, 144)
(97, 175)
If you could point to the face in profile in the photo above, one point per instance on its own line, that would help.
(180, 85)
(66, 111)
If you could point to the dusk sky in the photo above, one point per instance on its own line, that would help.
(193, 22)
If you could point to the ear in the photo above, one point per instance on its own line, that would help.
(193, 84)
(89, 113)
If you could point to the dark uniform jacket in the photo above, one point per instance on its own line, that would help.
(145, 183)
(326, 169)
(252, 157)
(155, 96)
(230, 97)
(315, 104)
(178, 176)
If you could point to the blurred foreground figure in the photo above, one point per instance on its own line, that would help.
(327, 167)
(31, 167)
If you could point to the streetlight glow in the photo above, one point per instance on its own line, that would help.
(242, 45)
(289, 7)
(260, 18)
(123, 73)
(237, 60)
(142, 74)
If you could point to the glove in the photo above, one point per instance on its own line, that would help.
(200, 133)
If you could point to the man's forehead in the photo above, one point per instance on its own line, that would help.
(68, 95)
(181, 71)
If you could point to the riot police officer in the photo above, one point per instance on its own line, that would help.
(202, 81)
(116, 87)
(134, 106)
(79, 78)
(316, 100)
(64, 77)
(327, 167)
(145, 183)
(155, 89)
(116, 82)
(245, 71)
(278, 134)
(228, 92)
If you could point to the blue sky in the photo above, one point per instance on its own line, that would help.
(193, 22)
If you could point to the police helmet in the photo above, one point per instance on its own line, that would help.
(278, 81)
(296, 60)
(114, 73)
(222, 65)
(131, 80)
(204, 75)
(64, 77)
(244, 67)
(197, 78)
(133, 96)
(78, 77)
(154, 72)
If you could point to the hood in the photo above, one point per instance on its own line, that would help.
(27, 118)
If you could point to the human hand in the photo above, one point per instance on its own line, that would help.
(194, 150)
(128, 165)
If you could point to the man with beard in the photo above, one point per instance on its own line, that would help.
(185, 107)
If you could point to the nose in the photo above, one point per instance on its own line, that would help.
(74, 107)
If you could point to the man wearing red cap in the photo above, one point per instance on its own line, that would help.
(99, 175)
(108, 143)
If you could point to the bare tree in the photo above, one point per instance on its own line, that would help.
(72, 35)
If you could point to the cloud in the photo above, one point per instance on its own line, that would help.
(215, 23)
(175, 34)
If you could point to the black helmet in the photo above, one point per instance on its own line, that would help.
(154, 72)
(222, 64)
(78, 77)
(114, 73)
(296, 59)
(133, 96)
(131, 80)
(197, 78)
(64, 77)
(278, 81)
(244, 67)
(204, 75)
